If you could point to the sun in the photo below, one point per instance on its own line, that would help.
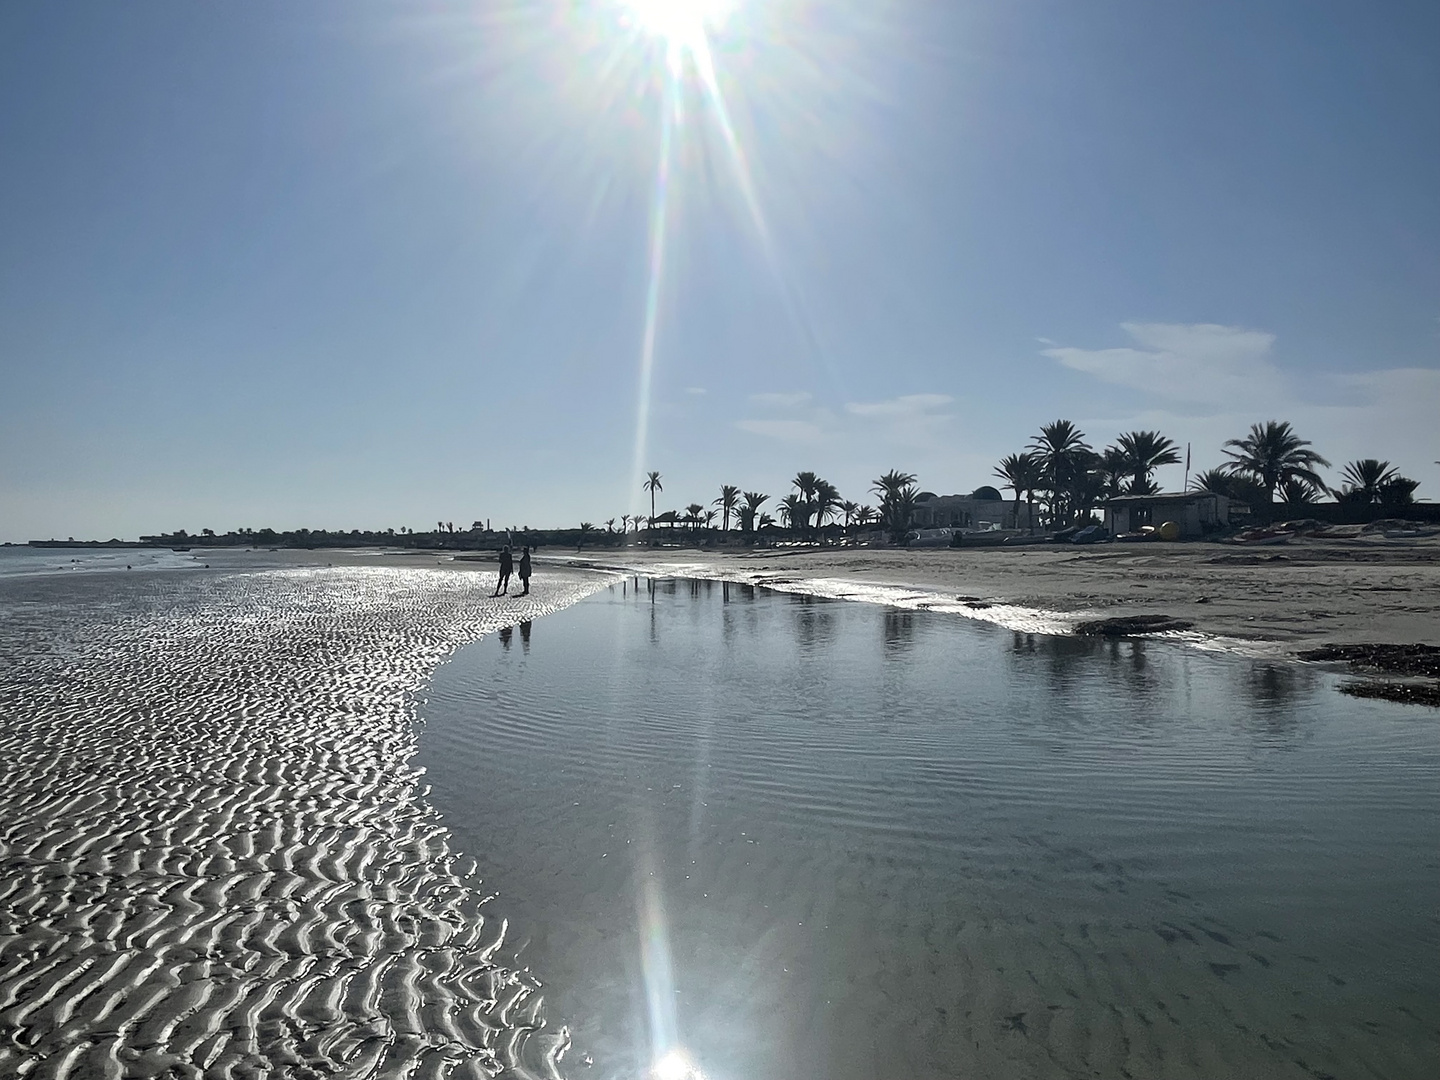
(680, 22)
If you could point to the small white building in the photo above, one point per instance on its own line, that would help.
(1197, 513)
(983, 509)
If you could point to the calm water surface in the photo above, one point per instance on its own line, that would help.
(767, 836)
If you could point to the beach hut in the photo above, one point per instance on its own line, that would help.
(1197, 513)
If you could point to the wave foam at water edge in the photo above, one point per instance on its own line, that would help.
(217, 857)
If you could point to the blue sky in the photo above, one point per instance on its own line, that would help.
(373, 265)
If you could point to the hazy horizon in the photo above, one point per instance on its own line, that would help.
(367, 266)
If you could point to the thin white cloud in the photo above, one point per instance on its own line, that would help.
(905, 405)
(792, 431)
(1208, 383)
(1200, 364)
(780, 401)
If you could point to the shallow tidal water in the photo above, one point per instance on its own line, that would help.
(744, 834)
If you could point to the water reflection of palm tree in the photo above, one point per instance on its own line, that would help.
(1271, 454)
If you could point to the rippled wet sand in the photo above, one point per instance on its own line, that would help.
(215, 856)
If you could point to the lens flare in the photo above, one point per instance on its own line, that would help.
(682, 21)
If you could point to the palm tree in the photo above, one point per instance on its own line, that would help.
(766, 521)
(1144, 452)
(1216, 480)
(652, 484)
(1271, 454)
(897, 502)
(624, 524)
(1113, 467)
(610, 525)
(1061, 449)
(805, 482)
(1231, 485)
(693, 514)
(585, 529)
(1295, 492)
(1398, 493)
(1364, 479)
(1022, 474)
(728, 500)
(848, 508)
(864, 515)
(753, 501)
(827, 498)
(794, 511)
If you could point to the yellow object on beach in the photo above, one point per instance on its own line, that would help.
(1169, 531)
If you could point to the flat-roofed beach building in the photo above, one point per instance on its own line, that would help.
(1197, 513)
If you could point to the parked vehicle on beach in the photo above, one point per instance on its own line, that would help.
(920, 538)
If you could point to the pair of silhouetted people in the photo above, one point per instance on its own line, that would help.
(507, 566)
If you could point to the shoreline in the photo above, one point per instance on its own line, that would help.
(1270, 604)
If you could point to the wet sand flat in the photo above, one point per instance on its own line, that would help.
(215, 855)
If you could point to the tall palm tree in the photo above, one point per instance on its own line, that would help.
(694, 514)
(848, 508)
(585, 529)
(728, 500)
(1364, 479)
(794, 511)
(897, 502)
(1144, 452)
(1112, 468)
(827, 498)
(1271, 454)
(805, 483)
(1022, 474)
(1061, 449)
(652, 484)
(624, 524)
(753, 501)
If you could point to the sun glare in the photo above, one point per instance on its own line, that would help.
(680, 22)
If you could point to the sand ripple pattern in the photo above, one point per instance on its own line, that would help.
(215, 857)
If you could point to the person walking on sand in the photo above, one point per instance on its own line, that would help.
(506, 565)
(525, 571)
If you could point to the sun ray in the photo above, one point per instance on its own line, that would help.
(659, 217)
